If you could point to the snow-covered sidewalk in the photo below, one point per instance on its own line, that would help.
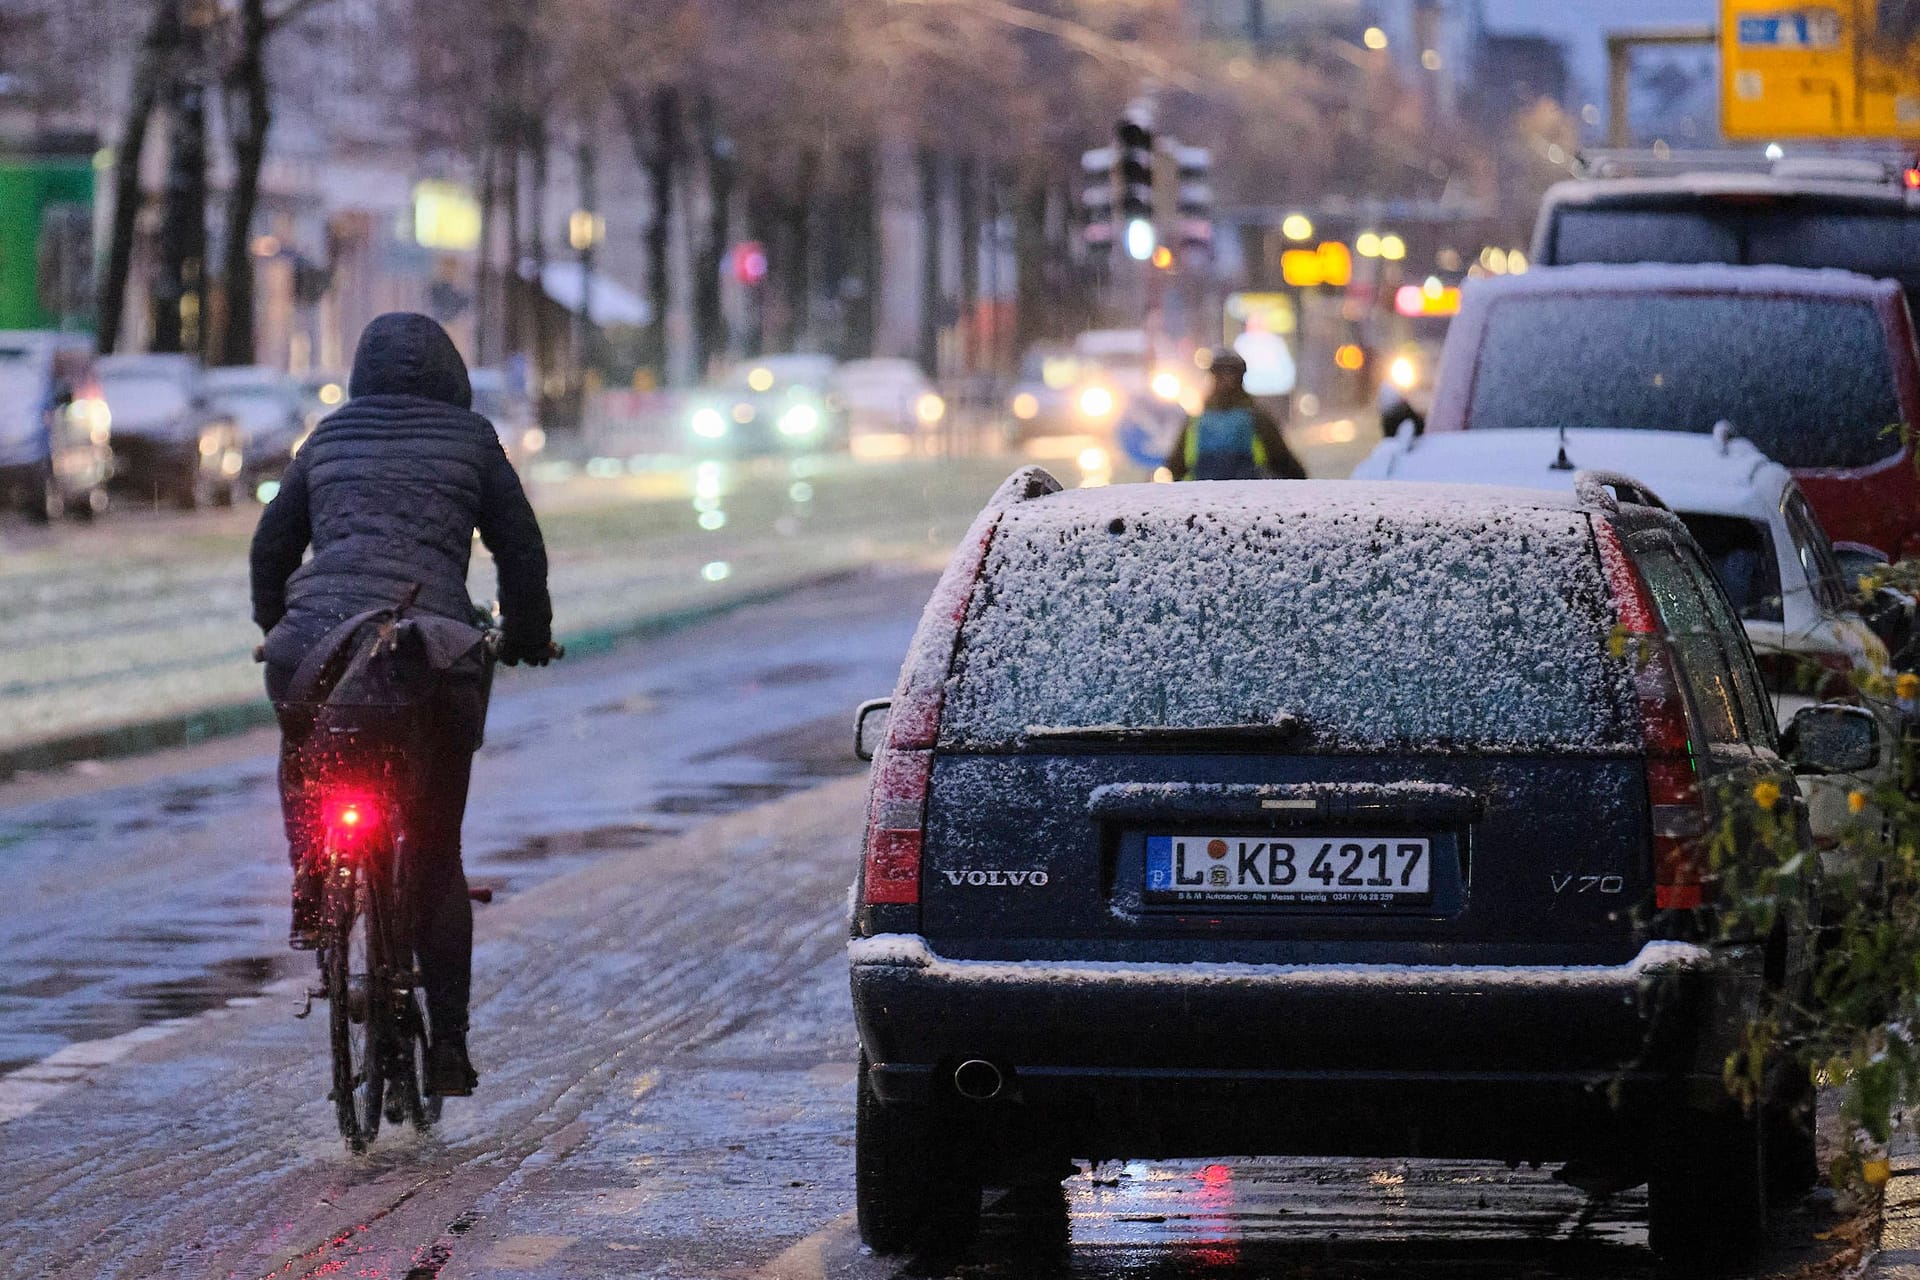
(146, 615)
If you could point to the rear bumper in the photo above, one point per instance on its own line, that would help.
(1222, 1059)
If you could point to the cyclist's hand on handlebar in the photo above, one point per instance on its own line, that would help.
(540, 657)
(260, 653)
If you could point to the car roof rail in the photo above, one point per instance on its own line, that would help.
(1640, 162)
(1627, 162)
(1608, 489)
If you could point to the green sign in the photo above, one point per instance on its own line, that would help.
(46, 242)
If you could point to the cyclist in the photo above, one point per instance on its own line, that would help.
(388, 491)
(1232, 437)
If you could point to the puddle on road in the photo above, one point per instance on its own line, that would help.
(223, 980)
(86, 1001)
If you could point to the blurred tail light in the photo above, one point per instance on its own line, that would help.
(1681, 873)
(350, 821)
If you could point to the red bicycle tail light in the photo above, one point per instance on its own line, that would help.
(349, 819)
(1682, 875)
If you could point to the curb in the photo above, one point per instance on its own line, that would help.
(1899, 1255)
(202, 724)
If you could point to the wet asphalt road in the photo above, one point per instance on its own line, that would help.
(661, 1026)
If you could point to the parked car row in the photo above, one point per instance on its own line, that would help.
(79, 431)
(1378, 816)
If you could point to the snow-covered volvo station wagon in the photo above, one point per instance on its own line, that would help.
(1277, 818)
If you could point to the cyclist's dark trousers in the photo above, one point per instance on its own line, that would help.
(442, 912)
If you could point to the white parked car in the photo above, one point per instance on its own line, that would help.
(1766, 547)
(887, 395)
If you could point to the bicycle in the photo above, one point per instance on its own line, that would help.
(377, 1030)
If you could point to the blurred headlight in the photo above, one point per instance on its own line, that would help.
(708, 424)
(761, 379)
(331, 394)
(534, 441)
(209, 445)
(1402, 373)
(1026, 407)
(799, 420)
(929, 408)
(1166, 385)
(1096, 402)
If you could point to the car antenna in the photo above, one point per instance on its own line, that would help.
(1723, 434)
(1561, 461)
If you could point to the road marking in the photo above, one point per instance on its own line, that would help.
(25, 1090)
(806, 1260)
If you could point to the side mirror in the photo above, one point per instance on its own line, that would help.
(1832, 737)
(1857, 560)
(870, 726)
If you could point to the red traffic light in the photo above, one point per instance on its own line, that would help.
(749, 262)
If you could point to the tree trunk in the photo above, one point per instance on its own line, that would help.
(590, 206)
(710, 319)
(931, 303)
(863, 252)
(1030, 319)
(969, 202)
(537, 250)
(249, 125)
(179, 293)
(156, 55)
(662, 166)
(513, 295)
(486, 276)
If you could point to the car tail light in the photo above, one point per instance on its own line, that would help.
(897, 807)
(1681, 874)
(896, 814)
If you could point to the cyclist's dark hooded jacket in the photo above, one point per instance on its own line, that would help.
(389, 490)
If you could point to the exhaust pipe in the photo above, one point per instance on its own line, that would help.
(977, 1079)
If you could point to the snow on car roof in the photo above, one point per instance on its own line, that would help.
(1689, 471)
(1671, 277)
(1362, 610)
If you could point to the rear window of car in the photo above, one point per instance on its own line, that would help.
(1380, 618)
(1808, 380)
(1802, 233)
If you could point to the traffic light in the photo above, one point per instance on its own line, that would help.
(1194, 205)
(1096, 199)
(1133, 176)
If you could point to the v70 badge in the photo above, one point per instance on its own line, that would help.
(1568, 882)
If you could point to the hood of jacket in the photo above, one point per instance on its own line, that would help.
(403, 353)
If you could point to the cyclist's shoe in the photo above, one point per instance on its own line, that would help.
(449, 1074)
(308, 931)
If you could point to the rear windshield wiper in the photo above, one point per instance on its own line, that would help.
(1283, 729)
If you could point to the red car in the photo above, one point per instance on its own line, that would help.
(1817, 368)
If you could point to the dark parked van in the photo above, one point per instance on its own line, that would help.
(1316, 817)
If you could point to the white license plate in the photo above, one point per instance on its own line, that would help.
(1302, 869)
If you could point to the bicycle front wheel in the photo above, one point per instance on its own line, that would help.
(355, 1008)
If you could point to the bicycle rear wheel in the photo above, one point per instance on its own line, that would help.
(355, 1005)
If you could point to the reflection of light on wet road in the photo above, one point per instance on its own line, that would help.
(1346, 1218)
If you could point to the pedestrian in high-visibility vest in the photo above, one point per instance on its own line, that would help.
(1232, 437)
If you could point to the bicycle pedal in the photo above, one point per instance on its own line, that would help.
(306, 1005)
